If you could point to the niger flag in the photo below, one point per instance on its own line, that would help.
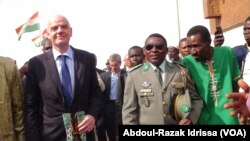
(32, 24)
(39, 39)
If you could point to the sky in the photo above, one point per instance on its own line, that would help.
(103, 27)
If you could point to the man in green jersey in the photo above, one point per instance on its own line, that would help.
(215, 72)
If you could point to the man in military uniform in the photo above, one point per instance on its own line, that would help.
(11, 101)
(169, 98)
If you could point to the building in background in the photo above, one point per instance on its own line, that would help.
(228, 14)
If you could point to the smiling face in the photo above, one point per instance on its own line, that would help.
(155, 50)
(59, 32)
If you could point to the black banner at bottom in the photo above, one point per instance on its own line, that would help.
(162, 132)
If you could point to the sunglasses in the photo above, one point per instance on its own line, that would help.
(246, 28)
(158, 47)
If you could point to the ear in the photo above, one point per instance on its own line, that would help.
(166, 50)
(208, 43)
(71, 31)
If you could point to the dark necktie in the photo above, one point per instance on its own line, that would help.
(66, 81)
(158, 74)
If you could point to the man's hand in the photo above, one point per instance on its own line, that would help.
(218, 39)
(239, 106)
(185, 121)
(87, 125)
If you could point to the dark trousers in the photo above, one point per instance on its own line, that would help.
(109, 121)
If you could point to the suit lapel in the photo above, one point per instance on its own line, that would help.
(51, 65)
(79, 69)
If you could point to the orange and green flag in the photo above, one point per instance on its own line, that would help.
(31, 25)
(39, 39)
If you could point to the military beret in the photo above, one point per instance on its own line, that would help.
(181, 106)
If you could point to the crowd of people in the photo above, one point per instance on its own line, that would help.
(60, 94)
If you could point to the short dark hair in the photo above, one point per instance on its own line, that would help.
(135, 47)
(159, 36)
(107, 63)
(183, 39)
(46, 40)
(202, 30)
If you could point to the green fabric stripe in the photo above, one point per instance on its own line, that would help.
(29, 28)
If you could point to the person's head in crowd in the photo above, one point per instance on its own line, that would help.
(115, 63)
(241, 51)
(107, 66)
(173, 53)
(136, 55)
(47, 46)
(127, 63)
(97, 69)
(198, 41)
(246, 31)
(183, 49)
(59, 32)
(155, 49)
(95, 59)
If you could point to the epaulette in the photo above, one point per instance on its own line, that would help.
(183, 72)
(135, 67)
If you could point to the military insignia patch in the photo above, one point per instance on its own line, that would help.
(146, 67)
(145, 84)
(185, 108)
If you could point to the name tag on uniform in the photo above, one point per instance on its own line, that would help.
(146, 90)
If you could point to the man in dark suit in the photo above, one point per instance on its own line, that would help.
(112, 102)
(46, 103)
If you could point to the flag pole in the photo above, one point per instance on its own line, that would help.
(178, 19)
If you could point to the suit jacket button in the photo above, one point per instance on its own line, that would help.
(164, 115)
